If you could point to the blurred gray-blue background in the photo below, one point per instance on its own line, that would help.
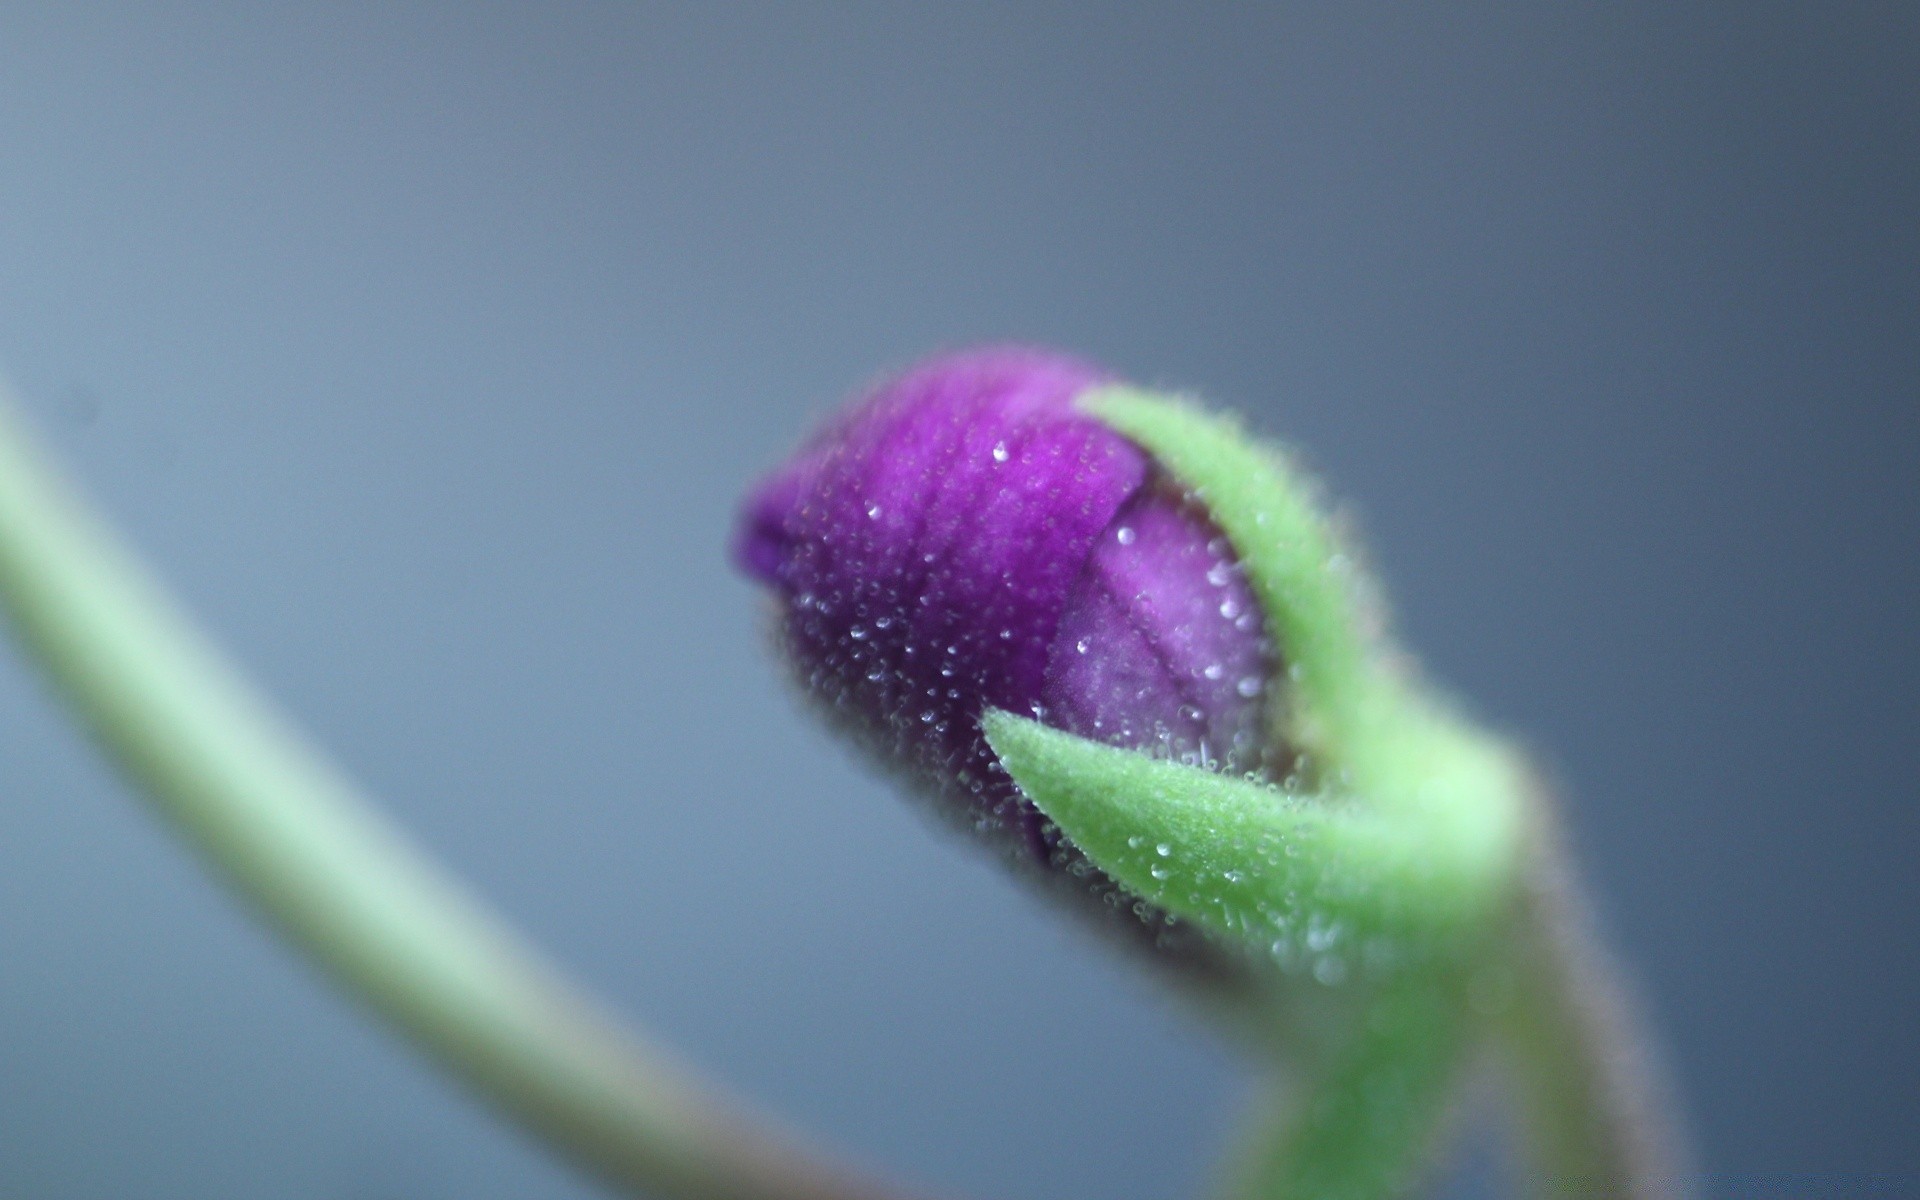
(426, 349)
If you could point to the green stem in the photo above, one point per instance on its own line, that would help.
(1599, 1121)
(1365, 1123)
(293, 836)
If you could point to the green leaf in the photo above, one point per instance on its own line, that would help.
(1329, 888)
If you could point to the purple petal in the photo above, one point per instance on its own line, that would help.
(926, 544)
(1161, 645)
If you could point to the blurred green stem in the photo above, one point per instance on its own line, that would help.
(293, 836)
(1598, 1119)
(1366, 1124)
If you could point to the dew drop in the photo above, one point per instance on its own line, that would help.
(1124, 535)
(1164, 849)
(873, 512)
(1080, 647)
(1213, 671)
(1000, 452)
(1249, 686)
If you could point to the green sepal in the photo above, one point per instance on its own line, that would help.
(1367, 737)
(1329, 888)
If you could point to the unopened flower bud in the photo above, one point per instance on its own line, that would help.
(964, 538)
(1020, 583)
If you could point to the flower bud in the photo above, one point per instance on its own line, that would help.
(963, 539)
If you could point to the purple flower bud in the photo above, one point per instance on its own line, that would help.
(964, 538)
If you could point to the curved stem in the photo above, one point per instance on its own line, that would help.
(293, 836)
(1599, 1120)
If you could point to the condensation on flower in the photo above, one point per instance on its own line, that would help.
(964, 538)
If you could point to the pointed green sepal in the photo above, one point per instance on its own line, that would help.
(1330, 888)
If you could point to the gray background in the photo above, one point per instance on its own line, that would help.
(427, 349)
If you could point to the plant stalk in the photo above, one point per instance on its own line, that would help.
(1599, 1119)
(295, 838)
